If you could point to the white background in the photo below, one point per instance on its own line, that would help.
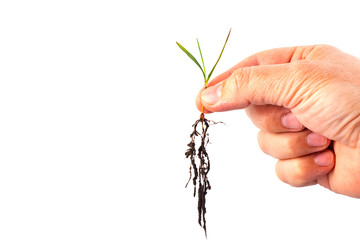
(96, 108)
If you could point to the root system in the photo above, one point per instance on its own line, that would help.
(198, 172)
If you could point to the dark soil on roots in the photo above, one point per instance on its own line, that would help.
(199, 171)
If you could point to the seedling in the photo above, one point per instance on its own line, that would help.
(200, 179)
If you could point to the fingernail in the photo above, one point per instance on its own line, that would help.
(290, 121)
(211, 95)
(316, 140)
(323, 159)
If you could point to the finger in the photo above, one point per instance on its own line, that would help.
(304, 171)
(268, 57)
(217, 79)
(279, 84)
(274, 119)
(291, 144)
(259, 85)
(198, 103)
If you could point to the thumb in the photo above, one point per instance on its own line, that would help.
(281, 84)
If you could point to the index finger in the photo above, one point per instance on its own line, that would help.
(267, 57)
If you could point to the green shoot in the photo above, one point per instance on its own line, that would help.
(206, 78)
(212, 70)
(191, 57)
(202, 60)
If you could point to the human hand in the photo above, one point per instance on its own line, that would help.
(303, 99)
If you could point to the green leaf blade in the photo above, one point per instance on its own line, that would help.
(212, 70)
(202, 59)
(191, 57)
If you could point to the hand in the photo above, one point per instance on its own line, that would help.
(304, 99)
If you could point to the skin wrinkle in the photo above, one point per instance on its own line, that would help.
(257, 79)
(301, 97)
(292, 91)
(350, 120)
(307, 52)
(321, 51)
(347, 122)
(357, 135)
(296, 91)
(299, 54)
(313, 86)
(240, 82)
(306, 109)
(336, 124)
(254, 83)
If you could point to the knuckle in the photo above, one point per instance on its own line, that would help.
(263, 122)
(266, 122)
(303, 69)
(324, 47)
(304, 75)
(288, 146)
(321, 51)
(241, 77)
(295, 178)
(298, 175)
